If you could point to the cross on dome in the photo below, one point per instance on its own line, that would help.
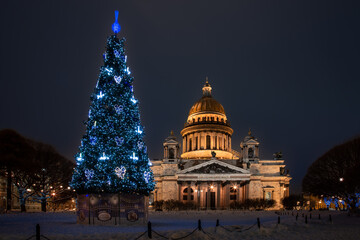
(207, 89)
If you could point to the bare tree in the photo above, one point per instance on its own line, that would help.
(336, 173)
(53, 173)
(15, 151)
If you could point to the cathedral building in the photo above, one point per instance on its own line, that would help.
(205, 170)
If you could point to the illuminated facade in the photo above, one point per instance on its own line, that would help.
(207, 171)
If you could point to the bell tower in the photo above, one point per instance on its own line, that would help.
(171, 149)
(250, 148)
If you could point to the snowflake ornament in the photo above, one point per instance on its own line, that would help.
(93, 140)
(119, 109)
(117, 79)
(140, 145)
(146, 176)
(116, 53)
(119, 141)
(120, 172)
(89, 174)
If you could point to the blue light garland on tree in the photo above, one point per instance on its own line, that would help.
(113, 156)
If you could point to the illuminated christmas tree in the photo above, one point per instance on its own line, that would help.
(113, 156)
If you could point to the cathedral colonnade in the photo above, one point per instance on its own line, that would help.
(213, 195)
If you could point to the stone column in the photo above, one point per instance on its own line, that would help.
(238, 188)
(184, 144)
(179, 191)
(227, 196)
(218, 195)
(230, 144)
(208, 195)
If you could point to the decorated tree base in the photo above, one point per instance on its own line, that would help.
(112, 209)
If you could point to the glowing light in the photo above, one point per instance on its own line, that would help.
(117, 79)
(125, 58)
(133, 100)
(150, 164)
(212, 187)
(234, 186)
(128, 71)
(138, 130)
(79, 158)
(116, 26)
(53, 194)
(341, 179)
(68, 188)
(109, 71)
(29, 190)
(104, 157)
(133, 157)
(100, 95)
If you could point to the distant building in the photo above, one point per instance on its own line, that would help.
(207, 171)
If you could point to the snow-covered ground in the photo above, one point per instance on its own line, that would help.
(178, 224)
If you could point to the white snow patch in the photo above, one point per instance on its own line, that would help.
(178, 224)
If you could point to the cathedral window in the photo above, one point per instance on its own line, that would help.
(215, 147)
(190, 144)
(208, 142)
(250, 153)
(188, 194)
(233, 192)
(268, 195)
(171, 153)
(196, 143)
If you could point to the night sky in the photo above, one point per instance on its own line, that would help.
(287, 69)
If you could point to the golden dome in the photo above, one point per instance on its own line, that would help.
(207, 103)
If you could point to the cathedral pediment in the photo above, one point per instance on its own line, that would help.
(214, 167)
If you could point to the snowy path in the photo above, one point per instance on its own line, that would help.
(178, 224)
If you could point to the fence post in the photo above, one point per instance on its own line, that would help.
(330, 218)
(258, 222)
(278, 219)
(306, 219)
(199, 225)
(37, 232)
(149, 230)
(217, 222)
